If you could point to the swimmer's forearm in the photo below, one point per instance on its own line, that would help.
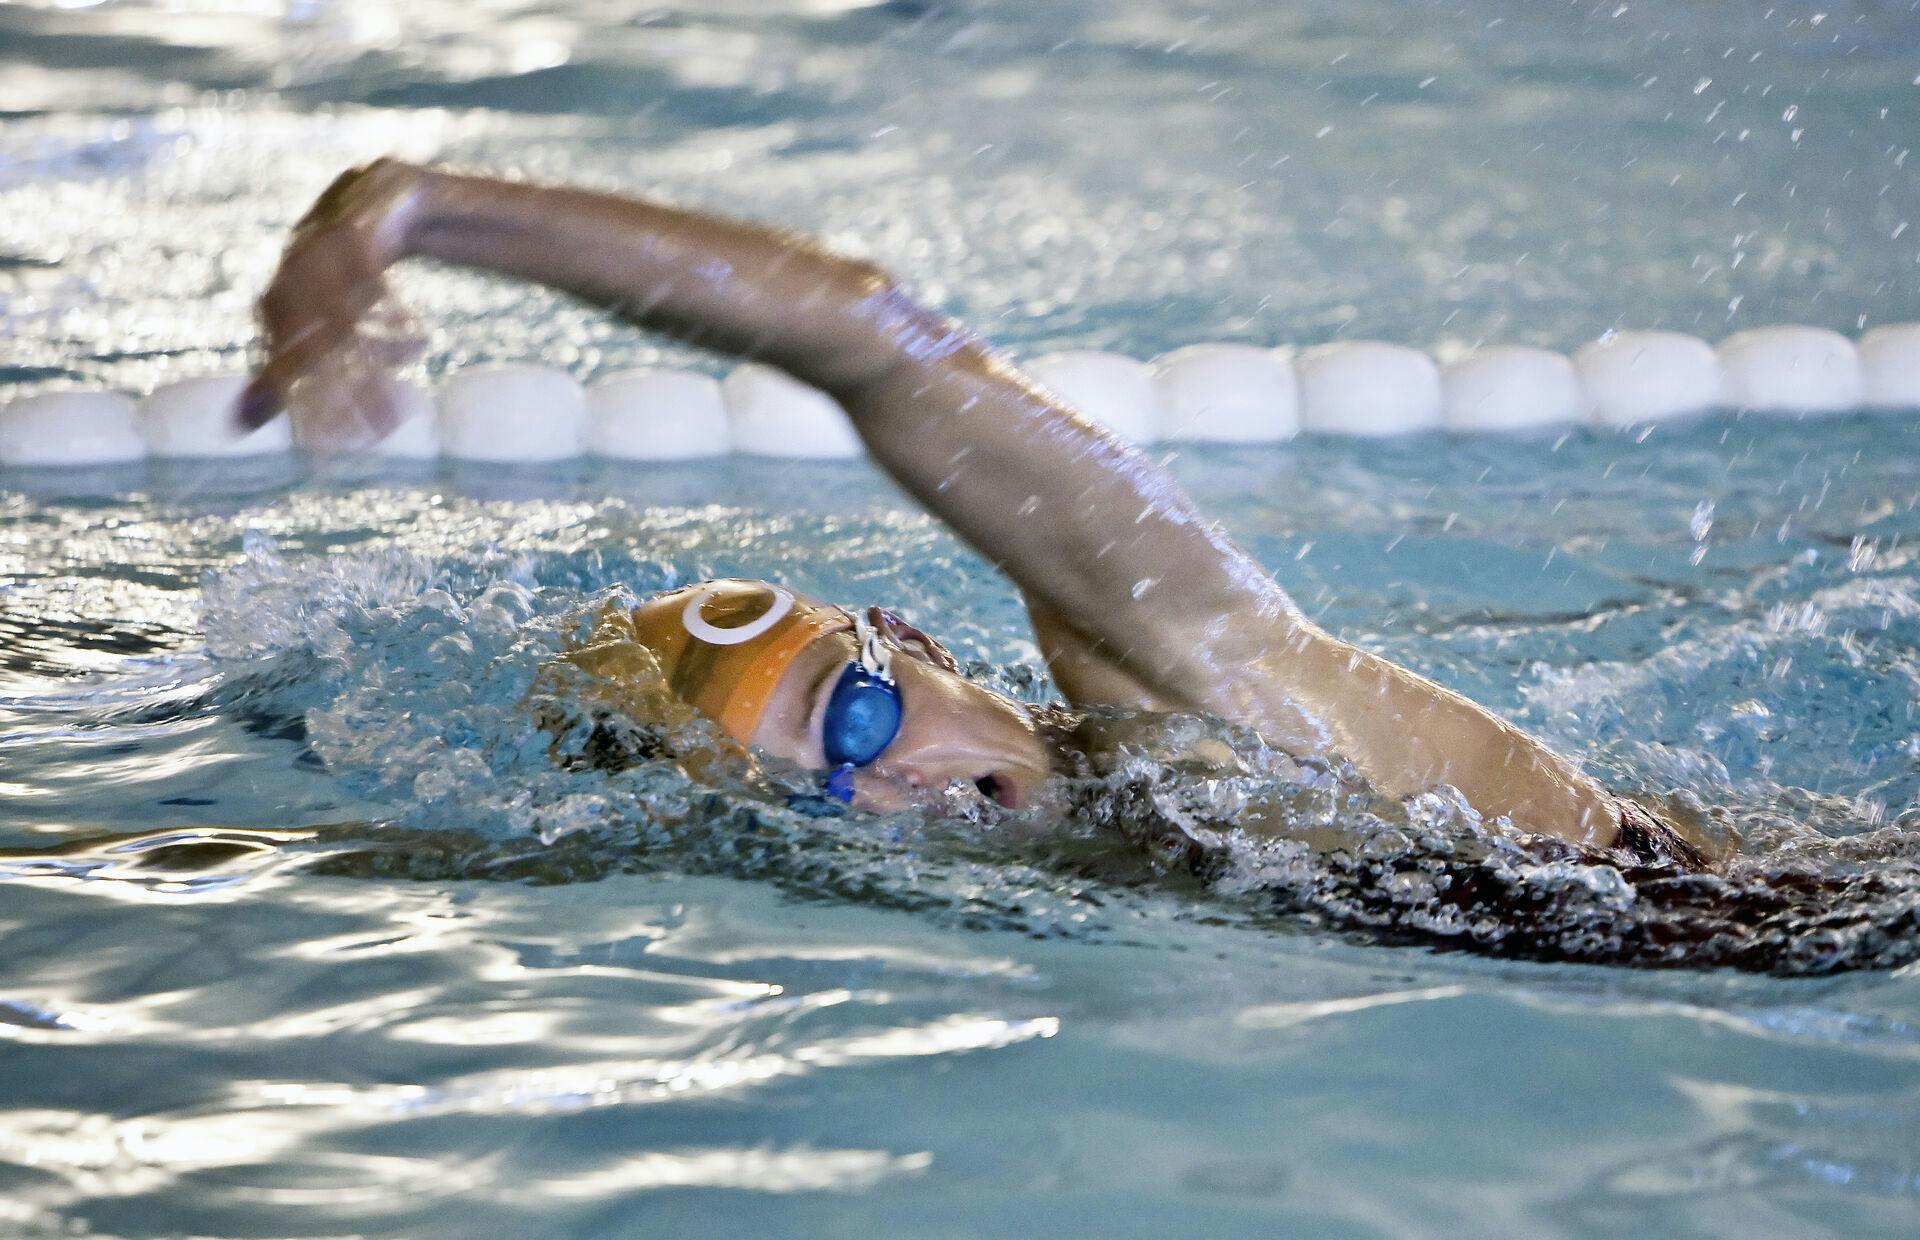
(723, 284)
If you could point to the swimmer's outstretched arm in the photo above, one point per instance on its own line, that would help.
(1136, 597)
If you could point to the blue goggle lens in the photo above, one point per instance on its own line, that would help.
(863, 717)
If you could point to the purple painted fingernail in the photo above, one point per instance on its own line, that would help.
(257, 406)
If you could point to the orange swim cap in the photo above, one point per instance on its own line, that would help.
(724, 645)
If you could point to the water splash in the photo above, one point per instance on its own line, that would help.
(429, 686)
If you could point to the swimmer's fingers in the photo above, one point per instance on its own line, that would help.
(298, 360)
(330, 278)
(310, 312)
(342, 396)
(325, 283)
(347, 402)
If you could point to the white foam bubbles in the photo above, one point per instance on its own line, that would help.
(1792, 370)
(1227, 393)
(1368, 387)
(195, 418)
(1113, 390)
(1636, 377)
(651, 414)
(1890, 365)
(70, 428)
(771, 413)
(512, 413)
(1509, 388)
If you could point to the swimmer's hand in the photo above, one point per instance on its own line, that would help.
(332, 331)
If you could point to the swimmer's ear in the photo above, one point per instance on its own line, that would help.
(912, 640)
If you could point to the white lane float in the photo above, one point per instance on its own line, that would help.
(512, 413)
(194, 419)
(770, 413)
(1632, 378)
(653, 414)
(1368, 387)
(1112, 389)
(1226, 393)
(1890, 366)
(1509, 388)
(1792, 370)
(70, 428)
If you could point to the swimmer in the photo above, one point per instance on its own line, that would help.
(1136, 600)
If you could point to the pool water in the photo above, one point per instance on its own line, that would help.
(307, 934)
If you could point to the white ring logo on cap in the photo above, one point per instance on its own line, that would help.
(713, 635)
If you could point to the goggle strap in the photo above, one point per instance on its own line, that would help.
(875, 655)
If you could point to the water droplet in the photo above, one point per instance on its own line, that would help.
(1143, 585)
(1702, 523)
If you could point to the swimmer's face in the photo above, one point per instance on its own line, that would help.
(951, 729)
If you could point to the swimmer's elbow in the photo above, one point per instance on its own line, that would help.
(888, 329)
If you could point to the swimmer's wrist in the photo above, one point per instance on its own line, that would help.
(402, 196)
(434, 213)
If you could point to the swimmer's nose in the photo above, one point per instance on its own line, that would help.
(973, 737)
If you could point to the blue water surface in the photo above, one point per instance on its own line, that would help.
(490, 996)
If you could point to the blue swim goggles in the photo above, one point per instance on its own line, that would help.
(863, 713)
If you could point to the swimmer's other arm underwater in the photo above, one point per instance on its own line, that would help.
(1137, 601)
